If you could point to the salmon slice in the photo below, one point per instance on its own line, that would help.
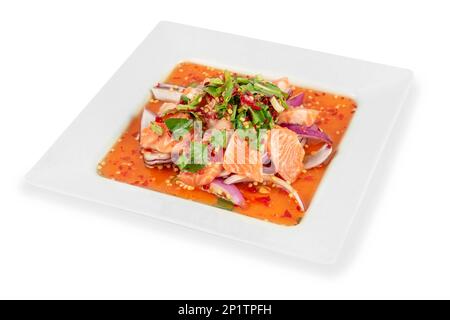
(286, 153)
(162, 141)
(299, 116)
(203, 177)
(242, 159)
(152, 141)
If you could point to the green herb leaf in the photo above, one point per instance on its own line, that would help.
(229, 86)
(241, 80)
(214, 91)
(224, 204)
(184, 99)
(185, 165)
(233, 115)
(196, 100)
(215, 82)
(185, 107)
(196, 160)
(178, 126)
(257, 116)
(193, 168)
(156, 129)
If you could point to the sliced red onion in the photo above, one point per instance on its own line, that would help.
(149, 155)
(286, 186)
(167, 92)
(289, 92)
(265, 158)
(271, 178)
(296, 101)
(153, 158)
(147, 118)
(319, 157)
(303, 141)
(312, 132)
(157, 162)
(236, 179)
(224, 174)
(226, 191)
(166, 108)
(169, 86)
(276, 105)
(269, 169)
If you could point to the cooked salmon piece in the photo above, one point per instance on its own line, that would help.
(242, 159)
(159, 137)
(203, 177)
(299, 116)
(286, 153)
(163, 142)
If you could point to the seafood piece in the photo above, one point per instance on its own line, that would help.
(157, 137)
(242, 159)
(286, 153)
(299, 116)
(221, 124)
(202, 177)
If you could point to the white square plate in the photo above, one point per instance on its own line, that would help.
(69, 166)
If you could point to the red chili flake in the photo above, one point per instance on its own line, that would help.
(264, 200)
(159, 119)
(206, 187)
(340, 116)
(298, 208)
(145, 183)
(287, 214)
(308, 178)
(250, 101)
(252, 189)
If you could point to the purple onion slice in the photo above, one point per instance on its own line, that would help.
(227, 191)
(296, 101)
(311, 132)
(319, 157)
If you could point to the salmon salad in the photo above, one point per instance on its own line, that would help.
(239, 139)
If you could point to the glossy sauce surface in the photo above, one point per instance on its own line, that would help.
(124, 161)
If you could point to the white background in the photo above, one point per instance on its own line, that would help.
(56, 55)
